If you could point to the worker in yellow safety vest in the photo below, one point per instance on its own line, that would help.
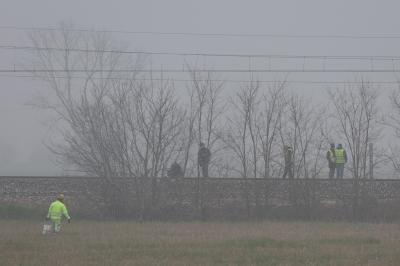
(340, 159)
(57, 210)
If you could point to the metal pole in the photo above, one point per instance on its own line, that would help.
(371, 161)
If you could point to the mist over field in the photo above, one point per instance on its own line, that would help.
(199, 132)
(328, 31)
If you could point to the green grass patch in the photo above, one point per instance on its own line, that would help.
(243, 243)
(350, 241)
(263, 242)
(11, 211)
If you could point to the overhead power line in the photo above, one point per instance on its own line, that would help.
(267, 56)
(211, 80)
(217, 34)
(171, 70)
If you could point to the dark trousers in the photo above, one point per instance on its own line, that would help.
(204, 170)
(288, 171)
(332, 172)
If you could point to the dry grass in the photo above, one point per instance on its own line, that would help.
(246, 243)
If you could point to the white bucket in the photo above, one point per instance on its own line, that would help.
(46, 228)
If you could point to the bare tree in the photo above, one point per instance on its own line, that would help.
(242, 138)
(202, 120)
(80, 99)
(206, 109)
(300, 130)
(157, 122)
(189, 136)
(394, 123)
(272, 108)
(113, 124)
(356, 114)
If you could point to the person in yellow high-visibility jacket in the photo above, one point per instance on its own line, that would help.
(57, 210)
(340, 159)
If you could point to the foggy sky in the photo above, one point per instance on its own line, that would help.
(24, 129)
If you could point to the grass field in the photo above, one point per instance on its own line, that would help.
(244, 243)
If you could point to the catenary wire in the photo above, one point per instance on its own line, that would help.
(268, 56)
(176, 70)
(217, 34)
(211, 80)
